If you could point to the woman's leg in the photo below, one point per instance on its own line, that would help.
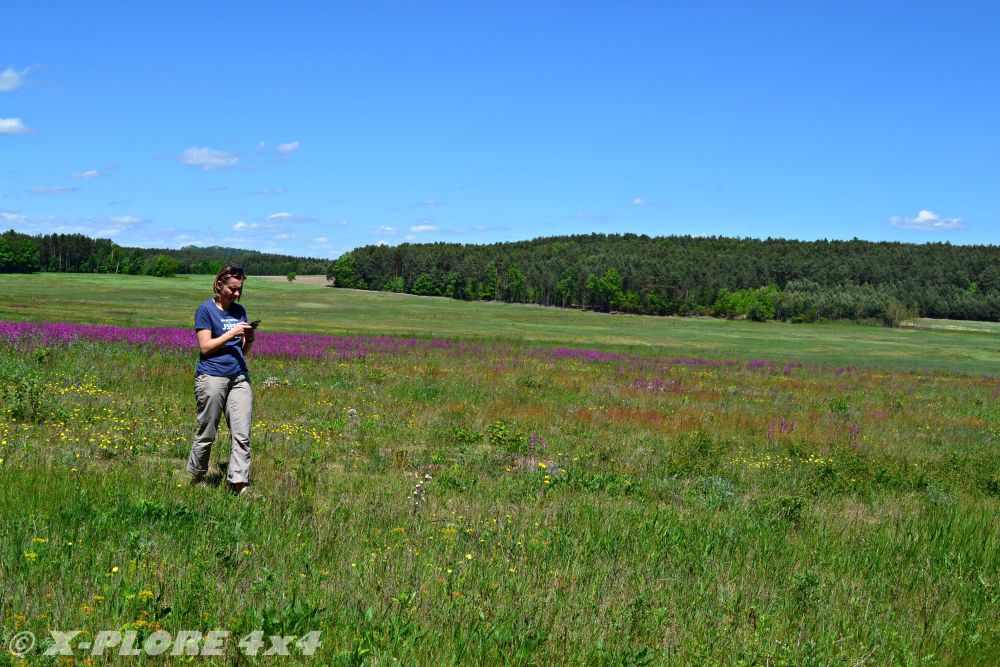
(239, 414)
(210, 394)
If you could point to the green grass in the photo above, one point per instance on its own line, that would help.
(145, 301)
(600, 513)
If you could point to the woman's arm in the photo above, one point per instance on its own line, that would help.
(208, 345)
(248, 340)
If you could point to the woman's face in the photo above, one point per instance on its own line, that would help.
(230, 289)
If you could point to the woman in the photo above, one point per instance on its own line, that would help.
(222, 381)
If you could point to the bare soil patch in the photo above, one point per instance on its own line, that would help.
(303, 280)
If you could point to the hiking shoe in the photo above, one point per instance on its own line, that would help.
(249, 494)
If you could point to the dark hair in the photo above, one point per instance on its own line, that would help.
(227, 272)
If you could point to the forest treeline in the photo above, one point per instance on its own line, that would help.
(76, 253)
(799, 281)
(684, 275)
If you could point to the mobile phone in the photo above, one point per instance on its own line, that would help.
(255, 323)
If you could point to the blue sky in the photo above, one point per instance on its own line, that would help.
(312, 128)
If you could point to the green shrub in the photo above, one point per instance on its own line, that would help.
(693, 455)
(605, 482)
(992, 484)
(457, 478)
(506, 438)
(465, 437)
(712, 492)
(22, 389)
(790, 508)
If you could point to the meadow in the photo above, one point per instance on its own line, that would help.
(448, 483)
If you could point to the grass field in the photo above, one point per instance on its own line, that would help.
(514, 485)
(926, 345)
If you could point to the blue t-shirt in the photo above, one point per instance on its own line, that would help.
(227, 361)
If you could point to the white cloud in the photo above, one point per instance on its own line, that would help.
(13, 126)
(430, 202)
(241, 225)
(340, 223)
(131, 227)
(926, 221)
(289, 148)
(206, 158)
(321, 240)
(423, 228)
(285, 216)
(272, 191)
(11, 217)
(385, 230)
(117, 224)
(262, 147)
(52, 191)
(638, 201)
(86, 175)
(11, 78)
(286, 236)
(126, 220)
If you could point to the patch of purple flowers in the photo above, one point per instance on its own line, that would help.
(780, 425)
(585, 355)
(22, 335)
(29, 334)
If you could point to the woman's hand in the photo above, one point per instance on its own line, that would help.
(248, 332)
(241, 329)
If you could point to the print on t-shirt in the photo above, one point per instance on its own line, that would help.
(228, 322)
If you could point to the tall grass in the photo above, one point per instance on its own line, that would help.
(486, 503)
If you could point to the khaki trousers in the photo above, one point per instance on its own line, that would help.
(214, 396)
